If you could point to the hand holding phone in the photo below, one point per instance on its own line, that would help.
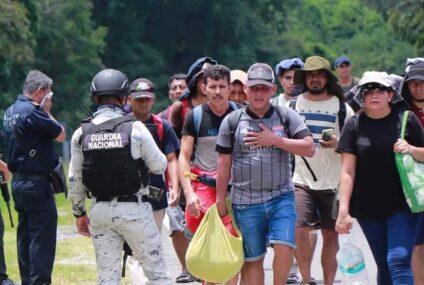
(327, 134)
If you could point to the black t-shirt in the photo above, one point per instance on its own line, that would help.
(377, 191)
(205, 156)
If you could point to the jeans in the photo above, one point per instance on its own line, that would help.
(391, 241)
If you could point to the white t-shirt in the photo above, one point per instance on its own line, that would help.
(326, 164)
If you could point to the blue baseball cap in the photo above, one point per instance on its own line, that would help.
(342, 59)
(287, 64)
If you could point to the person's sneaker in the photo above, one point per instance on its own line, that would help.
(312, 282)
(292, 278)
(8, 282)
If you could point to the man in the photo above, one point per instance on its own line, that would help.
(112, 157)
(256, 152)
(176, 87)
(199, 137)
(412, 90)
(238, 80)
(344, 71)
(30, 130)
(142, 100)
(4, 179)
(194, 96)
(316, 179)
(285, 72)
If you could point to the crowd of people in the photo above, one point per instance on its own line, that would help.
(308, 159)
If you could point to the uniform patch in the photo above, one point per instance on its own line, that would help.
(105, 141)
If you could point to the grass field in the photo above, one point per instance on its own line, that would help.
(75, 260)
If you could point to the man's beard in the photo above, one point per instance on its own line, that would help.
(316, 91)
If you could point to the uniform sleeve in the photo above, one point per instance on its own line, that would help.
(414, 133)
(347, 142)
(297, 126)
(170, 140)
(148, 151)
(188, 127)
(39, 120)
(224, 140)
(77, 191)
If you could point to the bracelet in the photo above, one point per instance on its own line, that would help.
(81, 215)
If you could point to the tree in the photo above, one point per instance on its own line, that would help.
(16, 49)
(68, 49)
(408, 20)
(331, 28)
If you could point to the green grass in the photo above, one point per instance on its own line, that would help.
(75, 260)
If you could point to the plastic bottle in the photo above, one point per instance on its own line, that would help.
(351, 264)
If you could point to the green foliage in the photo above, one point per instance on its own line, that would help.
(68, 49)
(331, 28)
(16, 43)
(408, 20)
(72, 40)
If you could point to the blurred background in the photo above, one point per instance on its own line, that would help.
(72, 40)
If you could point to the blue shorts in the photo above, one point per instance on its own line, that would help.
(272, 221)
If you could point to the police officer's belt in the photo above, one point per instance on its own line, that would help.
(24, 176)
(130, 198)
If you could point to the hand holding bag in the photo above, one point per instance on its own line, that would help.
(214, 254)
(411, 174)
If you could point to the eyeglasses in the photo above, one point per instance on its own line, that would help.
(377, 91)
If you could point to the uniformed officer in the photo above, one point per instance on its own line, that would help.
(4, 178)
(111, 158)
(29, 130)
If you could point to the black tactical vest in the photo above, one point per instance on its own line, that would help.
(109, 170)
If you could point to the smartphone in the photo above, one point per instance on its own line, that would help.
(327, 134)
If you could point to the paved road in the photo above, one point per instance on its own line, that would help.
(357, 237)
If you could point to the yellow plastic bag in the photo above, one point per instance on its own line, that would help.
(214, 255)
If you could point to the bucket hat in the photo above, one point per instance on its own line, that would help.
(313, 63)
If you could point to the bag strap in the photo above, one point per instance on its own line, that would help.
(403, 127)
(157, 120)
(197, 118)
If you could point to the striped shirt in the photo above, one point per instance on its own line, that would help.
(259, 174)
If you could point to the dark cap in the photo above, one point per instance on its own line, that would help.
(260, 73)
(340, 60)
(288, 64)
(142, 88)
(415, 71)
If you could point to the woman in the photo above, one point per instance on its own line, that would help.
(370, 187)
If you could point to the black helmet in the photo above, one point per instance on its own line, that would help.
(196, 69)
(110, 82)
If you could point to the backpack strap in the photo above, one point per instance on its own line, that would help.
(292, 105)
(197, 118)
(282, 115)
(157, 120)
(341, 114)
(233, 105)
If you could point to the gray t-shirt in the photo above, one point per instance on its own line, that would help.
(260, 174)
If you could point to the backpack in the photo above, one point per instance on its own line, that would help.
(156, 129)
(197, 115)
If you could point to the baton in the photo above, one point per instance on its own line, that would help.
(6, 196)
